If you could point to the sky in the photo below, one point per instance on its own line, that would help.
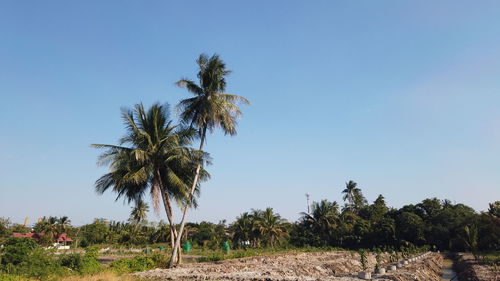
(400, 96)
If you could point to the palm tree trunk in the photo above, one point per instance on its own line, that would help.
(186, 207)
(169, 211)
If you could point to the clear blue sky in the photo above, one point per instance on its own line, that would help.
(402, 97)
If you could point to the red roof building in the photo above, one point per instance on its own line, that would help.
(62, 238)
(28, 235)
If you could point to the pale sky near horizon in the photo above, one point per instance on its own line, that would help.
(402, 97)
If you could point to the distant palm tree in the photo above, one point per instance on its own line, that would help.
(271, 227)
(63, 222)
(351, 191)
(139, 212)
(242, 229)
(209, 109)
(324, 217)
(153, 157)
(51, 228)
(324, 214)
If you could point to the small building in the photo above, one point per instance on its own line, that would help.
(33, 235)
(61, 239)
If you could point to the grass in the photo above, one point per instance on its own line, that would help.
(103, 276)
(218, 255)
(491, 258)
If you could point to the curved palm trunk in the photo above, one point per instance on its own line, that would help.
(175, 251)
(169, 211)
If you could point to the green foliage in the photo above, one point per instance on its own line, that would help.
(378, 259)
(34, 262)
(72, 261)
(494, 209)
(129, 265)
(16, 250)
(94, 233)
(4, 226)
(40, 264)
(89, 262)
(363, 259)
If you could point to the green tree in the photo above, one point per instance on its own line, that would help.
(63, 224)
(139, 212)
(4, 226)
(209, 109)
(494, 209)
(271, 227)
(242, 230)
(16, 250)
(153, 157)
(410, 228)
(323, 219)
(353, 196)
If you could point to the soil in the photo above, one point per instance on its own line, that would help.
(469, 269)
(340, 266)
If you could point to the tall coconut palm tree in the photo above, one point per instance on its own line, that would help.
(324, 217)
(271, 227)
(350, 193)
(153, 157)
(139, 212)
(208, 109)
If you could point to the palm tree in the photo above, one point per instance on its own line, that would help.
(153, 157)
(139, 212)
(350, 192)
(209, 109)
(242, 230)
(63, 223)
(323, 218)
(50, 227)
(271, 227)
(256, 217)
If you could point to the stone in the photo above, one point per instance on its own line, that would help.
(365, 275)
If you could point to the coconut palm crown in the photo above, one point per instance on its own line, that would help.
(153, 157)
(210, 108)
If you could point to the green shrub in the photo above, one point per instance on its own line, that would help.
(90, 263)
(16, 250)
(161, 260)
(72, 261)
(129, 265)
(363, 259)
(40, 264)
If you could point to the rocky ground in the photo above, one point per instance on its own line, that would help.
(471, 270)
(339, 266)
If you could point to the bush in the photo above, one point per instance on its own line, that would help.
(72, 261)
(16, 250)
(40, 264)
(161, 260)
(129, 265)
(90, 263)
(86, 264)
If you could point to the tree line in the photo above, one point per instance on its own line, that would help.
(439, 224)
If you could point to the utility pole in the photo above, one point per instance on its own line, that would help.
(307, 198)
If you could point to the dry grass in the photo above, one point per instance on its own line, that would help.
(103, 276)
